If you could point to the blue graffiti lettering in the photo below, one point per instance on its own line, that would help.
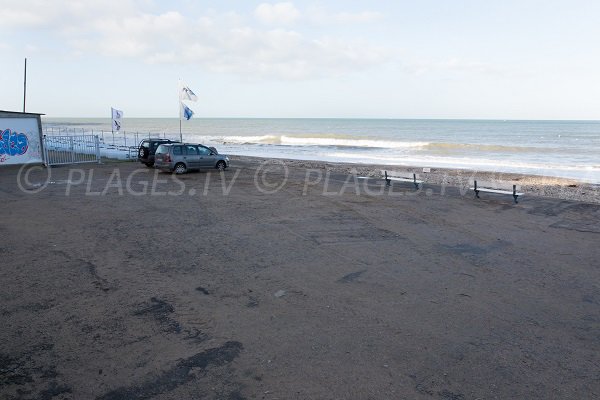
(13, 143)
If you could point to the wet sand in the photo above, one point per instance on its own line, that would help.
(119, 283)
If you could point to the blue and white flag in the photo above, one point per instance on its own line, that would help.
(186, 112)
(116, 115)
(187, 94)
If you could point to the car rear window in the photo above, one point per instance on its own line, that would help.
(177, 150)
(162, 149)
(145, 144)
(191, 150)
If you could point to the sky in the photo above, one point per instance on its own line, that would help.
(504, 59)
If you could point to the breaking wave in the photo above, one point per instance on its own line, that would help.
(283, 140)
(349, 141)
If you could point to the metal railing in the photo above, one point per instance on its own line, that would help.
(118, 145)
(120, 139)
(62, 150)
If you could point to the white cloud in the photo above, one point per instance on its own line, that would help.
(138, 36)
(277, 14)
(362, 17)
(224, 42)
(322, 16)
(26, 18)
(60, 13)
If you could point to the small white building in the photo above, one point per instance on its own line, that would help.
(20, 138)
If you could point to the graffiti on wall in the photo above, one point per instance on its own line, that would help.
(12, 143)
(20, 140)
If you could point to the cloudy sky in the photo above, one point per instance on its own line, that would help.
(505, 59)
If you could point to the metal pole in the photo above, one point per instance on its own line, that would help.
(25, 85)
(97, 142)
(180, 109)
(46, 159)
(112, 126)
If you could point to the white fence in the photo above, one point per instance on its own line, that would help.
(108, 138)
(61, 150)
(120, 146)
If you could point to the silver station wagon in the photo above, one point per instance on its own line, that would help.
(181, 157)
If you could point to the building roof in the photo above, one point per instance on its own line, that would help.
(18, 113)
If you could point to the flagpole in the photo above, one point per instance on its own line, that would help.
(112, 125)
(179, 95)
(25, 85)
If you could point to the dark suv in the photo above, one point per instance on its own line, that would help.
(147, 149)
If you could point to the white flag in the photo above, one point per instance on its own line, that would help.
(116, 115)
(187, 94)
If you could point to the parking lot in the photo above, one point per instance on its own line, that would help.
(123, 283)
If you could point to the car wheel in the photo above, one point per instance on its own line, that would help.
(180, 168)
(221, 166)
(149, 164)
(143, 153)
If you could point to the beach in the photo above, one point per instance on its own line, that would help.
(295, 280)
(532, 185)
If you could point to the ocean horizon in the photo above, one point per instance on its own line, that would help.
(558, 148)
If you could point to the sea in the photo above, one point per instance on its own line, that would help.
(568, 149)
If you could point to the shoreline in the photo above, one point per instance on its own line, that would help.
(532, 185)
(524, 147)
